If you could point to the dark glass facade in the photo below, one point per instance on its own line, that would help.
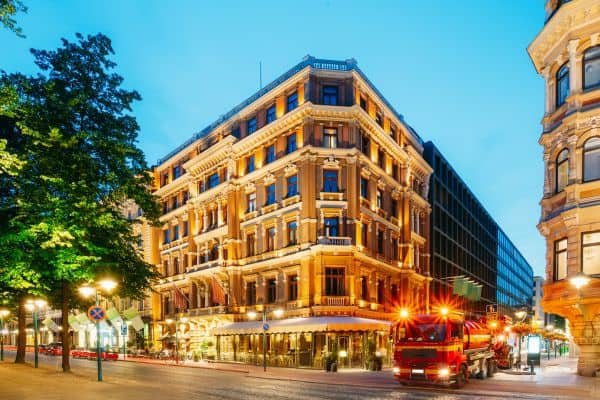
(465, 240)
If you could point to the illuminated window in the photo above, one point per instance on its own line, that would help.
(250, 293)
(334, 281)
(251, 202)
(560, 259)
(292, 101)
(331, 227)
(330, 138)
(590, 251)
(292, 231)
(562, 85)
(562, 170)
(250, 245)
(364, 188)
(251, 125)
(271, 114)
(591, 159)
(591, 67)
(330, 95)
(292, 287)
(270, 239)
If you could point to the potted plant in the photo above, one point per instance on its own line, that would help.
(374, 359)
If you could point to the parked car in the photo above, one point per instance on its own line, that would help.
(54, 349)
(43, 348)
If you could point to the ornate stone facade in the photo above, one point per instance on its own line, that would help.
(309, 197)
(564, 53)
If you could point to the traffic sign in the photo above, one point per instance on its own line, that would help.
(124, 329)
(266, 327)
(96, 313)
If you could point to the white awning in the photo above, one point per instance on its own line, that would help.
(309, 324)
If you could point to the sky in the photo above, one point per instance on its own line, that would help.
(459, 72)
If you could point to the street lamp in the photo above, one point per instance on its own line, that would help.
(86, 291)
(169, 321)
(3, 314)
(579, 280)
(521, 315)
(278, 314)
(35, 306)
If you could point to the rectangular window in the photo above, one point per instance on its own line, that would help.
(331, 227)
(330, 138)
(394, 208)
(363, 233)
(271, 291)
(365, 144)
(334, 281)
(292, 143)
(270, 239)
(250, 293)
(292, 231)
(381, 159)
(176, 232)
(380, 242)
(590, 250)
(270, 156)
(271, 114)
(380, 291)
(174, 202)
(270, 192)
(251, 197)
(213, 180)
(395, 249)
(251, 125)
(166, 238)
(364, 288)
(292, 287)
(292, 185)
(363, 103)
(250, 245)
(176, 171)
(164, 180)
(379, 199)
(379, 119)
(560, 259)
(330, 181)
(185, 228)
(250, 164)
(292, 101)
(364, 188)
(330, 95)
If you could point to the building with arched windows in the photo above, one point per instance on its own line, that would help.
(567, 54)
(309, 199)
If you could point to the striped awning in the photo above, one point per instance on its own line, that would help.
(308, 324)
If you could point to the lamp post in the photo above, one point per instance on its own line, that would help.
(521, 315)
(35, 306)
(86, 291)
(3, 314)
(251, 315)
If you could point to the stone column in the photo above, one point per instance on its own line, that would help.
(574, 72)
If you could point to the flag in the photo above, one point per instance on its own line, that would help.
(50, 324)
(218, 293)
(460, 286)
(137, 323)
(180, 301)
(130, 313)
(474, 292)
(73, 322)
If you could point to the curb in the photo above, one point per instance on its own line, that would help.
(188, 366)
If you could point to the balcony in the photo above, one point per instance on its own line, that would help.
(197, 312)
(204, 265)
(335, 301)
(336, 196)
(335, 240)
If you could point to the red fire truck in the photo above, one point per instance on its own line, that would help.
(441, 349)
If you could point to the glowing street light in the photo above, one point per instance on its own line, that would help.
(35, 306)
(404, 313)
(86, 291)
(579, 280)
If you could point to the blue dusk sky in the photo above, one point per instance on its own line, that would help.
(458, 71)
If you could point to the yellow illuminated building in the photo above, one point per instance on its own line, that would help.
(306, 202)
(567, 54)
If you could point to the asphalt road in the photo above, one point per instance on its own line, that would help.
(129, 380)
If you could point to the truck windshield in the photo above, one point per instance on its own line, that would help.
(424, 332)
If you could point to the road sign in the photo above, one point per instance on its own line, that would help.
(266, 327)
(124, 329)
(96, 313)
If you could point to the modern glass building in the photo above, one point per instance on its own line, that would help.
(466, 241)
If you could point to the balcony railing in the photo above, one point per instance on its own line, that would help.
(335, 300)
(335, 240)
(204, 265)
(196, 312)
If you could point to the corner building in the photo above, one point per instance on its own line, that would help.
(567, 54)
(309, 197)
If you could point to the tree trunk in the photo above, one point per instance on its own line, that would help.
(22, 334)
(66, 336)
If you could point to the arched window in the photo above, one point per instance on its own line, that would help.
(562, 85)
(591, 159)
(562, 170)
(591, 67)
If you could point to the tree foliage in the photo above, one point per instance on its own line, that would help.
(8, 9)
(72, 131)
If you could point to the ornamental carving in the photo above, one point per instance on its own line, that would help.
(291, 169)
(269, 178)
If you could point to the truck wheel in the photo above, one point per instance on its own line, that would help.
(461, 377)
(483, 369)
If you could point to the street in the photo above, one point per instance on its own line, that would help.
(130, 380)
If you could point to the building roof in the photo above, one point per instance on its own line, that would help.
(307, 61)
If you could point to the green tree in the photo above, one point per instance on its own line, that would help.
(81, 165)
(8, 9)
